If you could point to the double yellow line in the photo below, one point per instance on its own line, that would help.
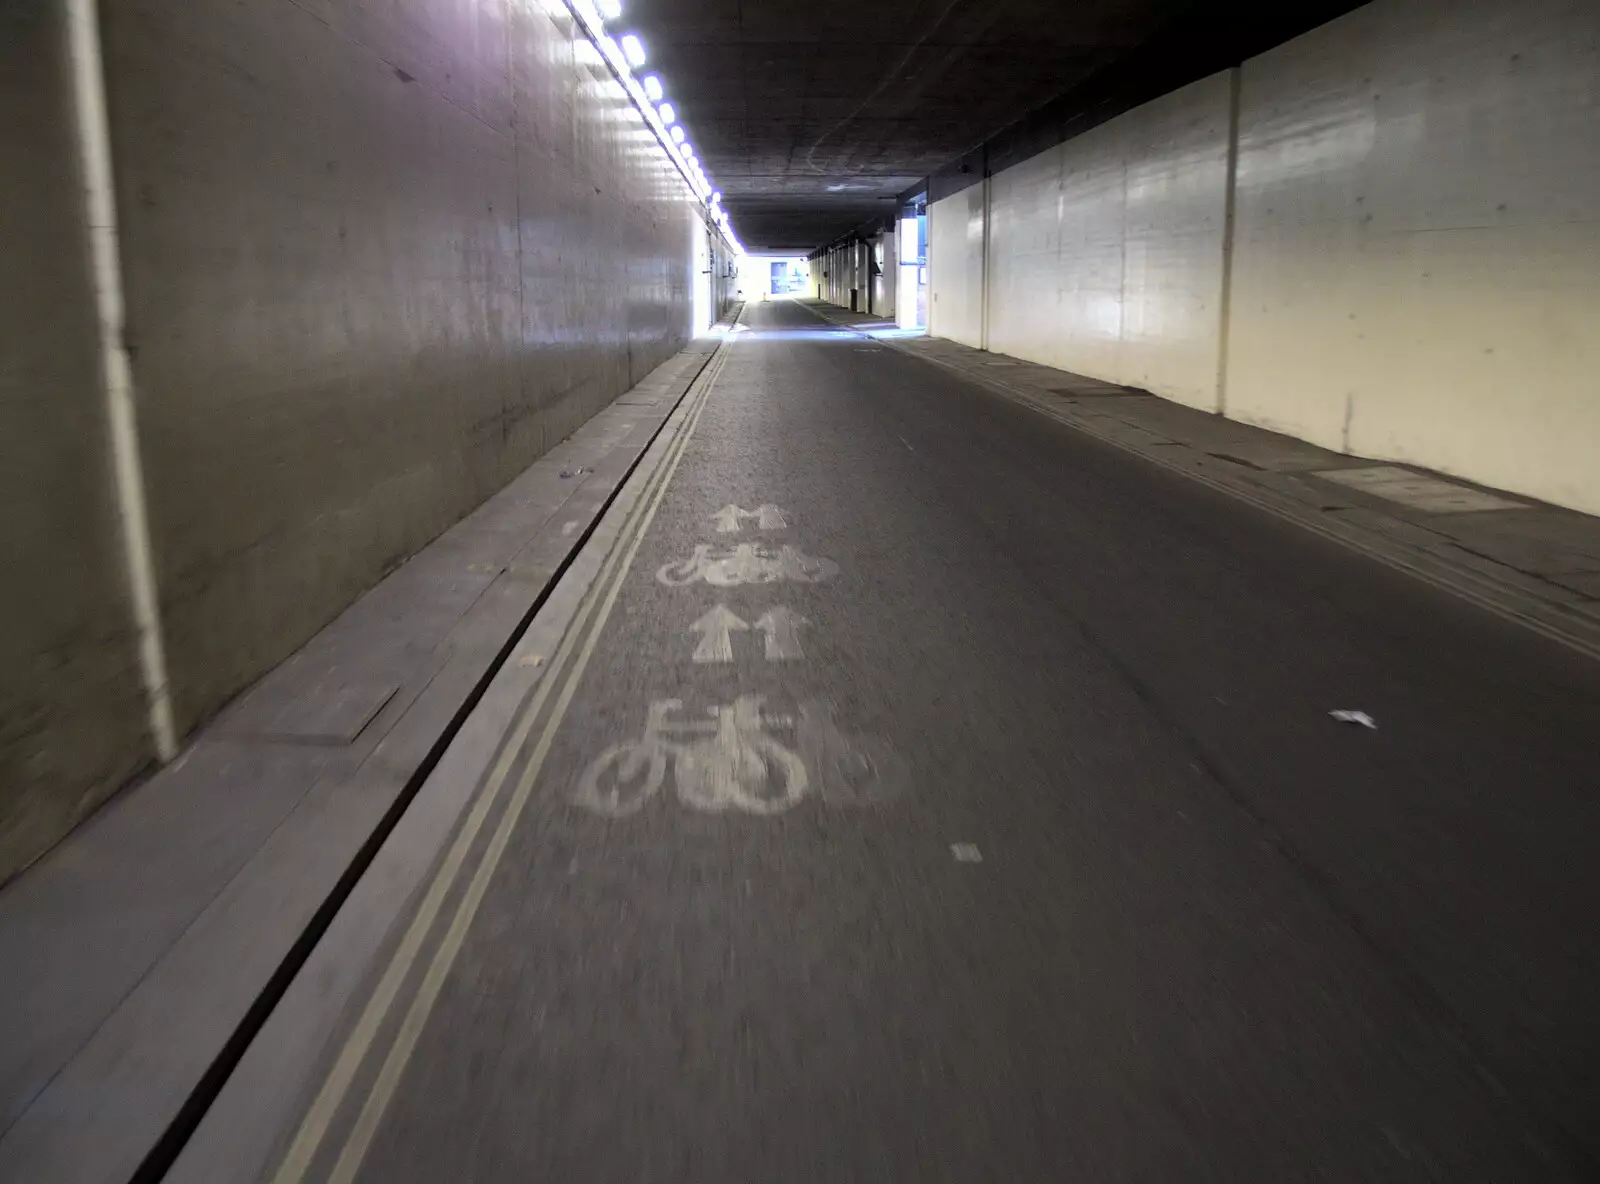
(565, 672)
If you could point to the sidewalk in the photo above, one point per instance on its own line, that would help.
(1535, 564)
(142, 953)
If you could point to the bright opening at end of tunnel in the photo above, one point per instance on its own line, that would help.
(772, 277)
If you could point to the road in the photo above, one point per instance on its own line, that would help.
(935, 793)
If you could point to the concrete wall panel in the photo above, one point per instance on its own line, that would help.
(1175, 195)
(886, 287)
(379, 257)
(1418, 249)
(1025, 275)
(72, 719)
(1088, 335)
(955, 267)
(1106, 251)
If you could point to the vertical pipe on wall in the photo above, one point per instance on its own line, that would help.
(93, 134)
(1230, 192)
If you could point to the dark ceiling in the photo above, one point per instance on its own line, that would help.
(811, 116)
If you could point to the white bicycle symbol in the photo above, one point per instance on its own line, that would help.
(746, 563)
(737, 765)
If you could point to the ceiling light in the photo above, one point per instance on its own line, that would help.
(676, 132)
(611, 9)
(668, 113)
(716, 197)
(634, 49)
(688, 151)
(652, 88)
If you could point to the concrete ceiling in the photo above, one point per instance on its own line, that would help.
(812, 115)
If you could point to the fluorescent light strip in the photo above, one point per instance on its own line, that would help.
(594, 25)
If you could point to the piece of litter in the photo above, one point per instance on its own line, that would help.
(1355, 717)
(531, 660)
(577, 472)
(966, 852)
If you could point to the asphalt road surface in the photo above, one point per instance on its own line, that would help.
(935, 793)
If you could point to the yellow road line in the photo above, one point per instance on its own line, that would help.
(388, 1079)
(319, 1117)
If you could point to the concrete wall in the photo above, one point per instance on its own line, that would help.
(1418, 241)
(1415, 253)
(1106, 252)
(843, 268)
(72, 717)
(885, 285)
(956, 267)
(378, 258)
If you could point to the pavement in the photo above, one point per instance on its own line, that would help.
(905, 784)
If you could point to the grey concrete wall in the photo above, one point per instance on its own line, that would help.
(71, 705)
(378, 257)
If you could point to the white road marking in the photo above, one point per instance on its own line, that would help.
(735, 766)
(1355, 717)
(731, 519)
(747, 563)
(966, 852)
(782, 627)
(716, 631)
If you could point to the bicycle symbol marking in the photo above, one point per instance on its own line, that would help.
(736, 766)
(732, 762)
(747, 563)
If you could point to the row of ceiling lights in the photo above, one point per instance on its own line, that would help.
(627, 54)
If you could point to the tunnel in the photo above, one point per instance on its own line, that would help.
(725, 591)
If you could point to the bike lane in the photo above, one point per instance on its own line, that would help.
(841, 858)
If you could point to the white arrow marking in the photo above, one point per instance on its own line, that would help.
(716, 629)
(782, 627)
(731, 519)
